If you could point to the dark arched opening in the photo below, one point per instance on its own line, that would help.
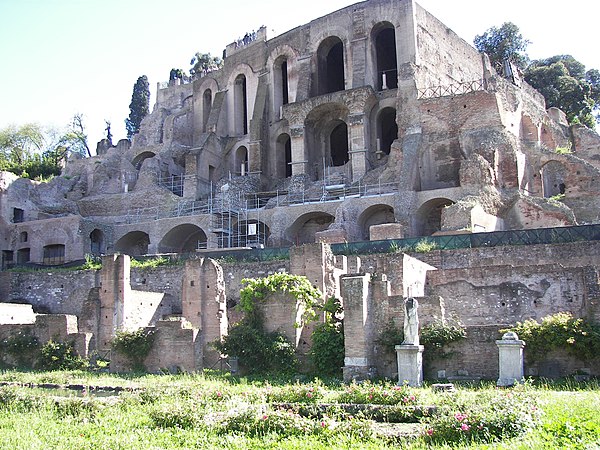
(305, 228)
(553, 179)
(429, 216)
(375, 215)
(134, 243)
(241, 161)
(139, 159)
(97, 242)
(240, 105)
(387, 130)
(330, 57)
(338, 145)
(385, 50)
(284, 156)
(185, 238)
(206, 107)
(54, 254)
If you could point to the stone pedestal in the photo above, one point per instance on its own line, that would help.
(410, 364)
(510, 350)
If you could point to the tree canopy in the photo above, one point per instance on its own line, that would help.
(139, 106)
(561, 79)
(504, 44)
(31, 151)
(203, 63)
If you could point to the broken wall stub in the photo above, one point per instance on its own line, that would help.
(204, 306)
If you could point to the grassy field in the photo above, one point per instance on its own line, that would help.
(213, 411)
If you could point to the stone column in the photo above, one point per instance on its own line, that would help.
(190, 183)
(510, 349)
(114, 293)
(410, 364)
(357, 150)
(299, 159)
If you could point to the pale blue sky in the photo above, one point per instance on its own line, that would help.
(61, 57)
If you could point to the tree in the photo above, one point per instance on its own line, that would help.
(139, 106)
(18, 144)
(565, 84)
(74, 139)
(504, 44)
(203, 63)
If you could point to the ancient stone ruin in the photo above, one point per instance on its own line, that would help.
(373, 125)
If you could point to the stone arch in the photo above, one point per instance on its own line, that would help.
(304, 229)
(140, 158)
(283, 156)
(134, 243)
(330, 71)
(383, 37)
(240, 105)
(207, 99)
(241, 92)
(375, 215)
(553, 174)
(429, 216)
(184, 238)
(97, 245)
(324, 127)
(387, 129)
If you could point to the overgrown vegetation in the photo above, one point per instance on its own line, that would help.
(578, 337)
(327, 350)
(134, 345)
(260, 351)
(151, 263)
(436, 336)
(60, 356)
(22, 347)
(209, 411)
(425, 246)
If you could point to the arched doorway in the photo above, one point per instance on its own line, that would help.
(134, 243)
(330, 66)
(241, 161)
(387, 129)
(284, 156)
(304, 229)
(139, 159)
(375, 215)
(429, 216)
(554, 175)
(185, 238)
(97, 242)
(338, 144)
(280, 84)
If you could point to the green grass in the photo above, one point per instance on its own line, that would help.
(213, 411)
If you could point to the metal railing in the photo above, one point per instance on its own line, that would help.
(465, 87)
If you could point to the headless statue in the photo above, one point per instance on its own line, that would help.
(411, 322)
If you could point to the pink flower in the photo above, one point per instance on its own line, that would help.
(465, 427)
(265, 417)
(460, 417)
(219, 394)
(430, 431)
(323, 424)
(308, 394)
(412, 398)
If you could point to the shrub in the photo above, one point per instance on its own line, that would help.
(377, 394)
(185, 416)
(390, 336)
(60, 356)
(577, 336)
(425, 246)
(134, 345)
(504, 416)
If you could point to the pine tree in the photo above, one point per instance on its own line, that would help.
(139, 106)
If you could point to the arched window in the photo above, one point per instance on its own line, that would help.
(280, 84)
(338, 145)
(385, 55)
(554, 175)
(97, 242)
(284, 156)
(241, 161)
(330, 66)
(206, 107)
(240, 102)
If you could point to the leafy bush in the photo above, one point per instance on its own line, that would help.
(377, 394)
(150, 263)
(180, 415)
(258, 351)
(390, 336)
(504, 416)
(60, 356)
(438, 334)
(134, 345)
(327, 351)
(559, 331)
